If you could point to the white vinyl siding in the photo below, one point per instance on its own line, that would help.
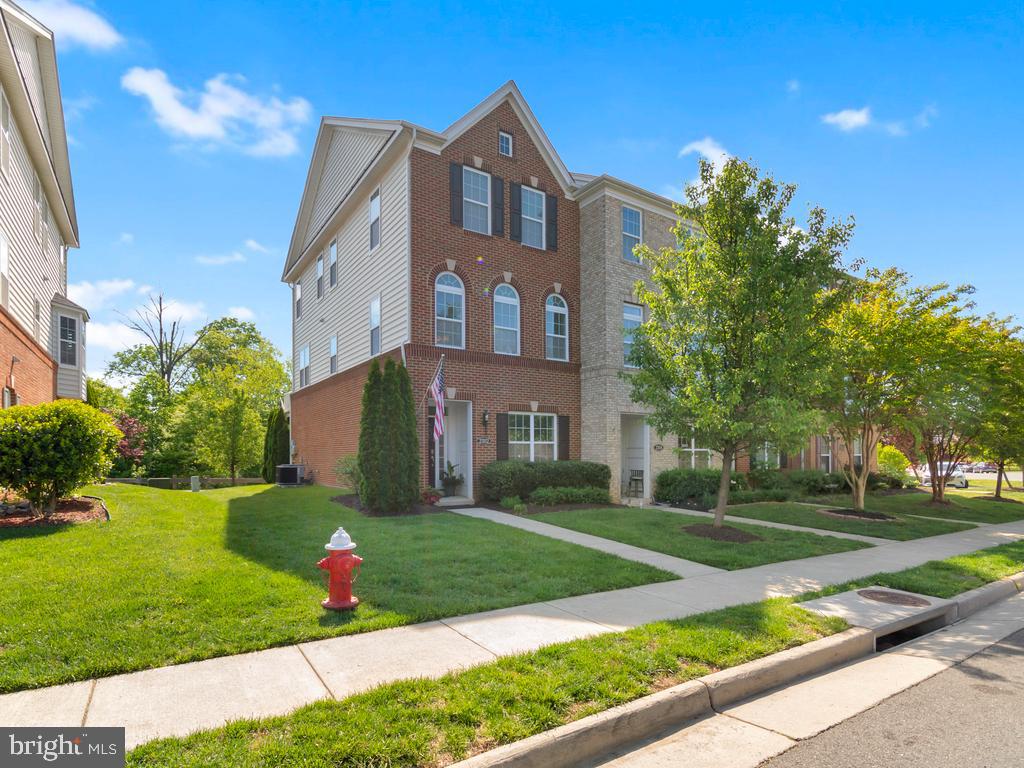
(532, 436)
(506, 320)
(632, 232)
(25, 48)
(5, 134)
(476, 201)
(360, 277)
(533, 217)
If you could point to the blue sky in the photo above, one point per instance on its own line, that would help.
(192, 123)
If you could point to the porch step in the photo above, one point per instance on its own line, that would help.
(455, 501)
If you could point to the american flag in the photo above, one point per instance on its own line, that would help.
(437, 390)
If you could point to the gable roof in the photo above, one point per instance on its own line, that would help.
(47, 147)
(424, 138)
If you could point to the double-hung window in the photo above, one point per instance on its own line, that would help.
(825, 453)
(858, 451)
(298, 300)
(504, 144)
(531, 436)
(334, 354)
(68, 341)
(632, 318)
(506, 320)
(375, 219)
(631, 233)
(476, 200)
(764, 456)
(533, 217)
(5, 134)
(320, 276)
(375, 325)
(449, 309)
(332, 261)
(691, 455)
(304, 367)
(556, 328)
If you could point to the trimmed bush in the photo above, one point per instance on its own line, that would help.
(510, 502)
(549, 497)
(49, 450)
(686, 486)
(767, 479)
(815, 482)
(892, 461)
(522, 478)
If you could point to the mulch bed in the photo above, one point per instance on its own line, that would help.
(855, 514)
(725, 533)
(352, 500)
(82, 509)
(1001, 498)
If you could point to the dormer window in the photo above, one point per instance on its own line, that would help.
(504, 144)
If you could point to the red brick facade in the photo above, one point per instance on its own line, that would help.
(492, 382)
(34, 375)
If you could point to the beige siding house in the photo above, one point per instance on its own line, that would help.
(42, 332)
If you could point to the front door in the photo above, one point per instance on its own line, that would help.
(455, 446)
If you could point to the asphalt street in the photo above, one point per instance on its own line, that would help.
(970, 716)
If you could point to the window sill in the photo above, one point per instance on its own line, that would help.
(478, 234)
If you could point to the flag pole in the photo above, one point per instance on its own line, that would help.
(438, 368)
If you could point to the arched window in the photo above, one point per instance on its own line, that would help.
(556, 328)
(449, 311)
(506, 320)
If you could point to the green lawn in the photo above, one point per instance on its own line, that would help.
(900, 529)
(944, 578)
(435, 722)
(961, 506)
(177, 576)
(662, 531)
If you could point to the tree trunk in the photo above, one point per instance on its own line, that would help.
(859, 488)
(723, 487)
(938, 482)
(232, 473)
(999, 478)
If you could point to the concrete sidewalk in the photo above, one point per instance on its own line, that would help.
(746, 734)
(177, 700)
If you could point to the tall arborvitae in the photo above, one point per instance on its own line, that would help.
(269, 469)
(390, 440)
(369, 439)
(276, 444)
(410, 463)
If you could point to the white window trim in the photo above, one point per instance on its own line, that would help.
(511, 146)
(78, 344)
(688, 445)
(533, 443)
(563, 310)
(476, 202)
(448, 289)
(320, 276)
(332, 262)
(831, 458)
(519, 320)
(543, 217)
(304, 356)
(332, 358)
(297, 300)
(380, 218)
(622, 222)
(379, 326)
(626, 304)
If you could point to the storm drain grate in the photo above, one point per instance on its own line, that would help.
(893, 598)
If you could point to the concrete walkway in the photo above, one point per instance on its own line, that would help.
(875, 540)
(176, 700)
(747, 733)
(676, 565)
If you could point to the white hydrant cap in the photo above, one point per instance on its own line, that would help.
(340, 542)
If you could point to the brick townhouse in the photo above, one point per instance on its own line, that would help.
(42, 332)
(478, 245)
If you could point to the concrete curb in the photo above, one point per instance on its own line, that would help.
(590, 737)
(982, 597)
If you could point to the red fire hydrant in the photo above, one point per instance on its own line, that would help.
(343, 566)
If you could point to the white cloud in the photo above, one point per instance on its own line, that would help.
(895, 128)
(113, 337)
(255, 245)
(142, 290)
(242, 313)
(216, 261)
(709, 149)
(126, 238)
(674, 191)
(94, 296)
(223, 115)
(848, 119)
(923, 119)
(74, 25)
(793, 86)
(184, 311)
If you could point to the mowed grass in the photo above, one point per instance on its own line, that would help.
(177, 576)
(436, 722)
(662, 531)
(961, 505)
(944, 578)
(901, 528)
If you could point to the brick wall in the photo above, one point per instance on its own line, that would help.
(35, 373)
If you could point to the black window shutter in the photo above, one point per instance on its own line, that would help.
(455, 190)
(551, 219)
(563, 438)
(497, 205)
(783, 460)
(515, 212)
(501, 435)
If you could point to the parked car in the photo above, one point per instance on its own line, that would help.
(958, 479)
(983, 466)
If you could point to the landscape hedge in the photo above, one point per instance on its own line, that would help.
(549, 497)
(521, 478)
(690, 486)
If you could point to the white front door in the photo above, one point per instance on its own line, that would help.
(635, 454)
(457, 444)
